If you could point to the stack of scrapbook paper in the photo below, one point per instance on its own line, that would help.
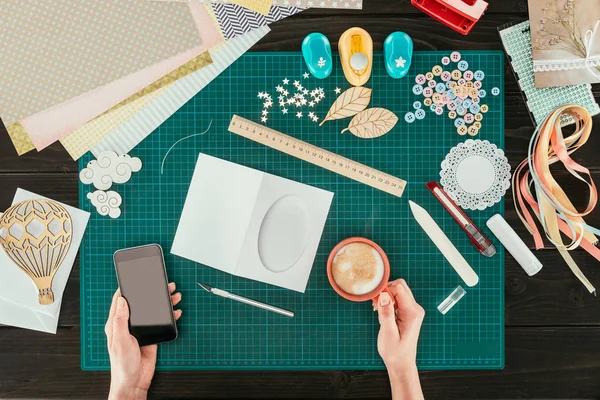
(236, 17)
(79, 71)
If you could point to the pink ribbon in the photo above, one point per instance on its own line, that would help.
(551, 205)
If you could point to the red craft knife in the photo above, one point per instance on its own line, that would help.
(481, 243)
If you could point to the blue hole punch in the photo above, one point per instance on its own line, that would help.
(316, 50)
(398, 51)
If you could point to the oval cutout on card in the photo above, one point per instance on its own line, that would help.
(283, 234)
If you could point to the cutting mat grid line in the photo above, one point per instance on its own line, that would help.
(327, 332)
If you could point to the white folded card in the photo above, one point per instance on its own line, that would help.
(19, 304)
(251, 224)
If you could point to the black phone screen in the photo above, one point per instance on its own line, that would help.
(143, 281)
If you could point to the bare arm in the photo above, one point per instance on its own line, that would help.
(397, 340)
(131, 366)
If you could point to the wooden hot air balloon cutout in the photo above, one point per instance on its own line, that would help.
(36, 235)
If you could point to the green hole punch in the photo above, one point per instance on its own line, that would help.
(398, 51)
(316, 50)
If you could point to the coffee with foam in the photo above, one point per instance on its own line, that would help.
(357, 268)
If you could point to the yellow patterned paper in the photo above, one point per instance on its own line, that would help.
(193, 65)
(83, 139)
(19, 137)
(80, 141)
(260, 6)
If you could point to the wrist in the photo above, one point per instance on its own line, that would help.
(119, 392)
(404, 381)
(401, 369)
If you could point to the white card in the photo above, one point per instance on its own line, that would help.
(251, 224)
(19, 304)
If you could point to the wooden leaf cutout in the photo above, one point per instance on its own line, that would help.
(349, 103)
(372, 123)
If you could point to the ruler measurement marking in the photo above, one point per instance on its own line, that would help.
(317, 156)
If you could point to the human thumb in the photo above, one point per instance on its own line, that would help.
(121, 321)
(387, 316)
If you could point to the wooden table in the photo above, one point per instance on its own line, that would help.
(552, 323)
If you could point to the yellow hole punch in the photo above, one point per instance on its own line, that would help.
(356, 55)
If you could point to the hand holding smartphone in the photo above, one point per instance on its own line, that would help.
(143, 281)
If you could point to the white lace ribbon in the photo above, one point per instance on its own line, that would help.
(589, 62)
(588, 41)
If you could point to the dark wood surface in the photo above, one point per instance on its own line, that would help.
(552, 323)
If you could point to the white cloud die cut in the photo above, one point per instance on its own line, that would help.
(109, 168)
(106, 203)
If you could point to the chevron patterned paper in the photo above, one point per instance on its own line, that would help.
(236, 20)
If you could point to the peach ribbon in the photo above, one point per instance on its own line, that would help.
(551, 205)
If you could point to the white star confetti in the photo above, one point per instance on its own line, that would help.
(300, 97)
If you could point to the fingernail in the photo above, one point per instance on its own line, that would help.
(384, 299)
(121, 302)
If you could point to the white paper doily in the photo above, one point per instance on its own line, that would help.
(475, 174)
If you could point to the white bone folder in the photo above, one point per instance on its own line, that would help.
(444, 245)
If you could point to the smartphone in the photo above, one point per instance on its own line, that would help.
(142, 277)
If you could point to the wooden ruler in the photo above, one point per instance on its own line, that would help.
(317, 156)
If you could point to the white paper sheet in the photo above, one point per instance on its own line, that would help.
(251, 224)
(19, 305)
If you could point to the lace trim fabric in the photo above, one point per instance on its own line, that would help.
(562, 65)
(450, 179)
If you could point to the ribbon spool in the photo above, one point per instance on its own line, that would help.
(551, 205)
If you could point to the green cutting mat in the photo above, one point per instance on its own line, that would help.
(327, 332)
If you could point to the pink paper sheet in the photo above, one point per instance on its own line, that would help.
(46, 127)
